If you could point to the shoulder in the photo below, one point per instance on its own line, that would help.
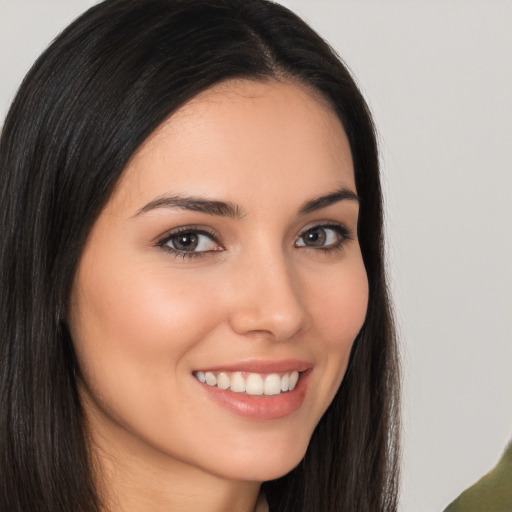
(492, 493)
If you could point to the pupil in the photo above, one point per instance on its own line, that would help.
(315, 237)
(186, 241)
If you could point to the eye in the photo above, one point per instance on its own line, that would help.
(189, 242)
(324, 237)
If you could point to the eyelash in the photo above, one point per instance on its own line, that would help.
(344, 235)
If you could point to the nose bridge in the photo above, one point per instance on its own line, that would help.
(268, 296)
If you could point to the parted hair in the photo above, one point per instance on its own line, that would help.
(91, 99)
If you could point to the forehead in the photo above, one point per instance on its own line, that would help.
(245, 135)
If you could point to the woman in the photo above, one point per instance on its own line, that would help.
(194, 310)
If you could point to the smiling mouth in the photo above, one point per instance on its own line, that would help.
(250, 383)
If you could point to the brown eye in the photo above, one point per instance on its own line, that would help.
(185, 241)
(189, 242)
(315, 237)
(325, 237)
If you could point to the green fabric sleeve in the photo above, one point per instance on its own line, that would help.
(492, 493)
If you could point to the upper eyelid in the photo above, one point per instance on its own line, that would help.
(325, 224)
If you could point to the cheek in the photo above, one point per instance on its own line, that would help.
(132, 325)
(339, 307)
(132, 330)
(137, 310)
(339, 311)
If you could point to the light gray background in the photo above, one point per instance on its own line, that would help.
(438, 77)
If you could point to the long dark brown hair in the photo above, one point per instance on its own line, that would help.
(85, 107)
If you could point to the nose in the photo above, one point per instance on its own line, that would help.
(267, 299)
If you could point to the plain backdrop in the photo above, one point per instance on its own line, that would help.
(438, 76)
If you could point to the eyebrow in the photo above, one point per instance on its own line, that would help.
(226, 209)
(341, 194)
(196, 204)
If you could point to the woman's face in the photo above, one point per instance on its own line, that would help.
(227, 252)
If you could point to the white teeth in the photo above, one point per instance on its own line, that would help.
(252, 383)
(237, 383)
(210, 378)
(223, 381)
(272, 385)
(294, 377)
(285, 382)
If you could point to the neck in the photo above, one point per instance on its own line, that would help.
(130, 492)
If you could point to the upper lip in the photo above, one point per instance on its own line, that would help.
(262, 366)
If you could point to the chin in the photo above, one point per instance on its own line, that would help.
(263, 464)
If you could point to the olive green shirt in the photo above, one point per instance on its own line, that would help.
(492, 493)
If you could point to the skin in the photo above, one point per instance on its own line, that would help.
(143, 318)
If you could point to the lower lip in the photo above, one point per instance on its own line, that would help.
(260, 407)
